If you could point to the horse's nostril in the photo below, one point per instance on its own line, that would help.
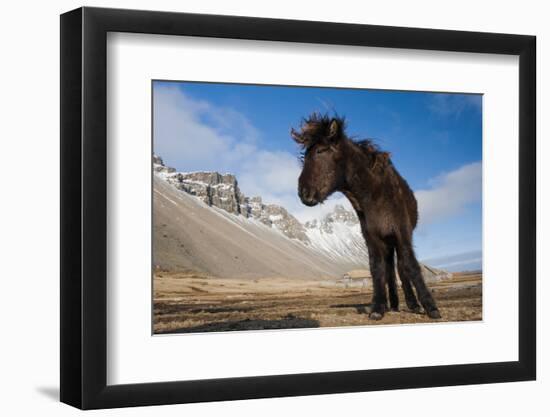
(307, 196)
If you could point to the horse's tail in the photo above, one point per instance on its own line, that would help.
(412, 204)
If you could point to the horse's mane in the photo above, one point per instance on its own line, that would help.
(317, 122)
(379, 158)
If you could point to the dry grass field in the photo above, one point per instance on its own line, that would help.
(187, 303)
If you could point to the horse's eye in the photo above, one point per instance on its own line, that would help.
(321, 150)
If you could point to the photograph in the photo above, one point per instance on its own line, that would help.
(285, 207)
(268, 206)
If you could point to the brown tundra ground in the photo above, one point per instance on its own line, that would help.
(187, 303)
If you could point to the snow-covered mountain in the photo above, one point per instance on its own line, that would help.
(338, 234)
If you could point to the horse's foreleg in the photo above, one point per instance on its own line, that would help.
(391, 280)
(410, 269)
(378, 272)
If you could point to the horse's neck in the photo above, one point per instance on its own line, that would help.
(358, 170)
(358, 178)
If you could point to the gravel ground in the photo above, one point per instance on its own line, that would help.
(187, 303)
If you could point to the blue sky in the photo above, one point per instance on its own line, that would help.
(435, 140)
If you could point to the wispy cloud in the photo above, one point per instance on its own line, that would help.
(453, 105)
(328, 106)
(450, 193)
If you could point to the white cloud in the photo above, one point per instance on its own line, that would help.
(450, 193)
(272, 172)
(194, 135)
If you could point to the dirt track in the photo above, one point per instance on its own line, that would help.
(186, 303)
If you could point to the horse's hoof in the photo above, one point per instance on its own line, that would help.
(396, 309)
(434, 314)
(375, 316)
(416, 310)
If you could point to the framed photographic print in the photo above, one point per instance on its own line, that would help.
(257, 208)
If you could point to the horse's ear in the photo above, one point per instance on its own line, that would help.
(334, 130)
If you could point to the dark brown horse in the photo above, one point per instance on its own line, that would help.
(384, 203)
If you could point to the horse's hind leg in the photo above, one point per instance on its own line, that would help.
(410, 298)
(391, 279)
(409, 268)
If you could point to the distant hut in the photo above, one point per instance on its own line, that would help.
(357, 278)
(433, 274)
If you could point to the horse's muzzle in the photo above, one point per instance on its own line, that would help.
(308, 198)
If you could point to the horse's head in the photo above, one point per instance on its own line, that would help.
(321, 140)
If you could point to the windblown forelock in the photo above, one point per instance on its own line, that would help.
(314, 128)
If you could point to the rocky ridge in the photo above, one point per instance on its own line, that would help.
(222, 191)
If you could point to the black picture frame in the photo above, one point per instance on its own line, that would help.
(84, 207)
